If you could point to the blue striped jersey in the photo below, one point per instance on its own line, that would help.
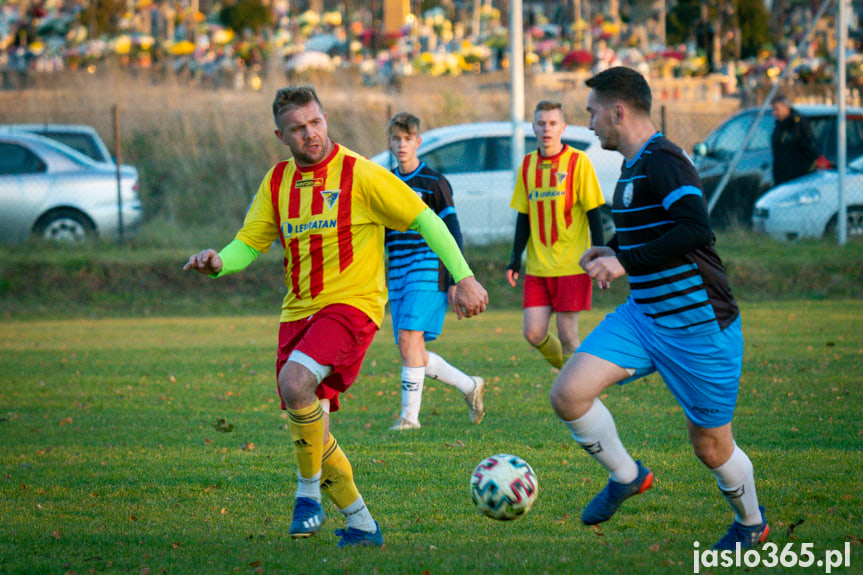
(412, 263)
(665, 243)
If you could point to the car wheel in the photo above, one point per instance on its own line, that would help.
(854, 227)
(66, 226)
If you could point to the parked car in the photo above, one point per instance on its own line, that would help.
(808, 206)
(50, 191)
(83, 138)
(754, 173)
(477, 160)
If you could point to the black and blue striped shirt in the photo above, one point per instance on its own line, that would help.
(412, 263)
(665, 243)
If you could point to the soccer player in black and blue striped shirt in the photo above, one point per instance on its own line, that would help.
(680, 318)
(420, 287)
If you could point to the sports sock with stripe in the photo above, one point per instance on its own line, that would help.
(438, 368)
(596, 433)
(736, 479)
(412, 392)
(307, 432)
(551, 350)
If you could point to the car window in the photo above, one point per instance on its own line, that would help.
(763, 134)
(18, 160)
(460, 157)
(81, 142)
(500, 151)
(577, 144)
(824, 132)
(727, 138)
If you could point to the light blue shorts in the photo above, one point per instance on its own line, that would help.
(419, 311)
(702, 371)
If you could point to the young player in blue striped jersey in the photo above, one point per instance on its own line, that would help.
(680, 319)
(420, 287)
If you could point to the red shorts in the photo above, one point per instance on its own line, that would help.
(338, 335)
(563, 293)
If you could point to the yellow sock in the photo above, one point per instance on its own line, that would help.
(307, 433)
(337, 477)
(551, 350)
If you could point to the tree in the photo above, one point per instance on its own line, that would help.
(245, 15)
(753, 26)
(681, 20)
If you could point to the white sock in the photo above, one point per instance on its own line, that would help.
(412, 392)
(596, 433)
(358, 516)
(309, 486)
(736, 480)
(437, 368)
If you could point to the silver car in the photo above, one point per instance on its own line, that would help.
(808, 206)
(51, 191)
(477, 160)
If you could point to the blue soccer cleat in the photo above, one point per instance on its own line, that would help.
(747, 535)
(352, 537)
(607, 501)
(308, 518)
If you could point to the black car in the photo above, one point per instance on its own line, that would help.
(753, 175)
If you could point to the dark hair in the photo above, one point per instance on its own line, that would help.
(781, 99)
(404, 121)
(546, 105)
(293, 97)
(624, 84)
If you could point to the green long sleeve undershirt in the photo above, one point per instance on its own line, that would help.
(440, 240)
(237, 256)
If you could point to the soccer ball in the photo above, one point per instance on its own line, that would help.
(503, 487)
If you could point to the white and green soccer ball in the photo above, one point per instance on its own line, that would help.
(504, 487)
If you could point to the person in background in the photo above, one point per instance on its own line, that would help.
(557, 197)
(420, 286)
(793, 145)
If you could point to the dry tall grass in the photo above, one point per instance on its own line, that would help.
(202, 152)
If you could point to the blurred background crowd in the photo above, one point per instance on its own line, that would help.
(233, 43)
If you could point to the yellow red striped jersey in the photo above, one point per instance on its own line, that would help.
(556, 192)
(330, 219)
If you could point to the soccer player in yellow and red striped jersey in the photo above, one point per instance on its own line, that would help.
(557, 197)
(329, 207)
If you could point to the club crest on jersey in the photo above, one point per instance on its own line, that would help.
(627, 195)
(330, 197)
(561, 177)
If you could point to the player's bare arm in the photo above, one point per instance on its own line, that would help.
(206, 262)
(470, 297)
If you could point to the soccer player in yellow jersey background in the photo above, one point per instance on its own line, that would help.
(329, 207)
(557, 197)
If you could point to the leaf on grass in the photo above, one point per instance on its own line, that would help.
(380, 461)
(67, 421)
(175, 545)
(223, 426)
(57, 535)
(247, 446)
(208, 441)
(654, 547)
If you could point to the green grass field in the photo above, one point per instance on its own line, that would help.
(157, 446)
